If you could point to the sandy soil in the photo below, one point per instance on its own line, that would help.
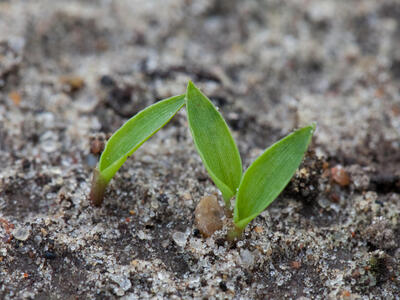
(71, 72)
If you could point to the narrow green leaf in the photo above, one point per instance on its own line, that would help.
(268, 175)
(135, 132)
(214, 142)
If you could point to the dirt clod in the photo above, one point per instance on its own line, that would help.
(380, 234)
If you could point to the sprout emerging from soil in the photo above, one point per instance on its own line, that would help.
(266, 177)
(254, 190)
(128, 139)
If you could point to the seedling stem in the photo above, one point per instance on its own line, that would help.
(99, 184)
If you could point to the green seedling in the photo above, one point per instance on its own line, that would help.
(254, 190)
(266, 177)
(214, 143)
(128, 139)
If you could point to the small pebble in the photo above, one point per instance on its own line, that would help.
(180, 238)
(346, 294)
(187, 196)
(247, 258)
(72, 82)
(335, 198)
(15, 97)
(107, 81)
(296, 265)
(96, 146)
(258, 229)
(340, 176)
(223, 286)
(21, 234)
(49, 255)
(123, 282)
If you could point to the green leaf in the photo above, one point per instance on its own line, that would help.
(268, 175)
(135, 132)
(214, 142)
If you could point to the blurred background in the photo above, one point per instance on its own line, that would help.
(285, 63)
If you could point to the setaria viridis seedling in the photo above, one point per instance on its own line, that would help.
(254, 190)
(264, 179)
(128, 139)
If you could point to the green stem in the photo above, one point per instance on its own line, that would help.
(227, 201)
(228, 212)
(234, 233)
(98, 189)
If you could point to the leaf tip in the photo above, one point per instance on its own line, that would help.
(313, 126)
(191, 85)
(310, 128)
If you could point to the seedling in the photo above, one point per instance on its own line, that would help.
(266, 177)
(254, 190)
(128, 139)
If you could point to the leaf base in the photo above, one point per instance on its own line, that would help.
(234, 233)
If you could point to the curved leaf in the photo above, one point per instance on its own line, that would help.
(214, 142)
(135, 132)
(268, 175)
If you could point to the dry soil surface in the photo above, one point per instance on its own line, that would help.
(71, 72)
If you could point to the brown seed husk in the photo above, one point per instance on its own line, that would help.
(208, 215)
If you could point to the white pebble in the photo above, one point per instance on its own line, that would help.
(22, 233)
(180, 238)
